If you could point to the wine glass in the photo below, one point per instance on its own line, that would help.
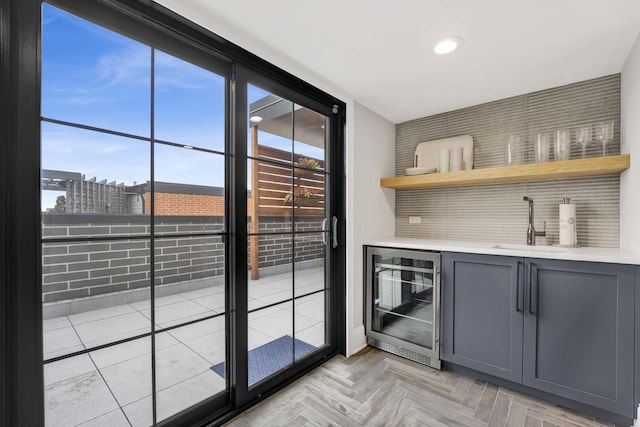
(583, 138)
(562, 145)
(541, 147)
(604, 135)
(514, 153)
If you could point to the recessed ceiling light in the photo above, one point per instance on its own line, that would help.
(447, 45)
(255, 119)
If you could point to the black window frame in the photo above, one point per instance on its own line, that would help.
(22, 385)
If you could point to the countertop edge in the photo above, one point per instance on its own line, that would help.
(588, 254)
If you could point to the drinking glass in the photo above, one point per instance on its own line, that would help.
(562, 144)
(583, 138)
(514, 150)
(541, 148)
(604, 135)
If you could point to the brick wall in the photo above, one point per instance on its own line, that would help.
(171, 199)
(187, 204)
(93, 268)
(276, 249)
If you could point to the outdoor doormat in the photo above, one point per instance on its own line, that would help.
(269, 358)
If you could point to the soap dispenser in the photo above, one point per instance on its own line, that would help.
(568, 235)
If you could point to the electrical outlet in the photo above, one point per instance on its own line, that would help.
(415, 220)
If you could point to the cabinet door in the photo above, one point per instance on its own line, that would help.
(578, 335)
(482, 318)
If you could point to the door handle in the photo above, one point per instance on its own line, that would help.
(519, 293)
(533, 289)
(334, 223)
(324, 231)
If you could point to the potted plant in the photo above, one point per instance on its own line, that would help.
(309, 163)
(301, 196)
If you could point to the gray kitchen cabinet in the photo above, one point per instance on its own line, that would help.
(579, 332)
(574, 323)
(482, 318)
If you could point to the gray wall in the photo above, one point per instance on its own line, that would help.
(496, 213)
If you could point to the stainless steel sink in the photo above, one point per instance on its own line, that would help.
(528, 248)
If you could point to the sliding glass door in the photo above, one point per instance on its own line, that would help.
(134, 230)
(192, 232)
(289, 232)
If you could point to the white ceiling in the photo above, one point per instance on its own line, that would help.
(379, 52)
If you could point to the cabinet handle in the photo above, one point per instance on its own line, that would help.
(533, 288)
(519, 294)
(334, 223)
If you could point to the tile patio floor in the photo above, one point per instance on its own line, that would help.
(112, 386)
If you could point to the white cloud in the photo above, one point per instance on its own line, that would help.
(126, 67)
(172, 72)
(84, 100)
(112, 148)
(94, 154)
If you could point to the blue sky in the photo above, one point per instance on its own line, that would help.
(93, 76)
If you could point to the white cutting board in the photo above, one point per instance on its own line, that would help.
(427, 154)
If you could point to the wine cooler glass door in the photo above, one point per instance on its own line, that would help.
(404, 295)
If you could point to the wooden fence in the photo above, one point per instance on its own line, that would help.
(280, 189)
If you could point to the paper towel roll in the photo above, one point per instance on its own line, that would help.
(568, 236)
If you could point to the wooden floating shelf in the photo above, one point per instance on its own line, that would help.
(592, 166)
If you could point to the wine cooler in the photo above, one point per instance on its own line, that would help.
(402, 293)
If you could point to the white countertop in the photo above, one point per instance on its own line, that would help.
(591, 254)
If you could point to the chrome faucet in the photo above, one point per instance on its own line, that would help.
(531, 231)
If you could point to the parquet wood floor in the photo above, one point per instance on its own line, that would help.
(374, 388)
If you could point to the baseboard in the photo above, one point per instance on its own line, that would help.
(358, 341)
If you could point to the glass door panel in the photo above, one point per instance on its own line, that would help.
(189, 211)
(308, 199)
(269, 193)
(93, 76)
(134, 233)
(186, 372)
(310, 330)
(270, 341)
(189, 104)
(311, 130)
(137, 181)
(94, 173)
(286, 217)
(310, 264)
(275, 266)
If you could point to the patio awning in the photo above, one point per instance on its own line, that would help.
(286, 119)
